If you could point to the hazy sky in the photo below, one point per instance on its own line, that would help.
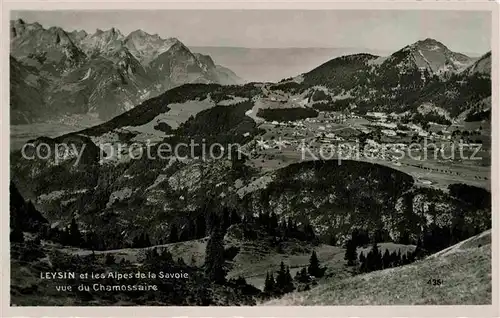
(462, 31)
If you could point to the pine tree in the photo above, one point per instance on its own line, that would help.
(399, 259)
(270, 284)
(266, 284)
(173, 236)
(374, 258)
(362, 262)
(90, 240)
(101, 244)
(214, 257)
(283, 228)
(386, 259)
(314, 269)
(350, 253)
(419, 250)
(362, 257)
(286, 228)
(411, 256)
(74, 233)
(375, 249)
(140, 240)
(394, 259)
(369, 262)
(288, 281)
(281, 279)
(273, 223)
(147, 241)
(201, 226)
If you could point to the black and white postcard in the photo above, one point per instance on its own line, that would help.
(250, 156)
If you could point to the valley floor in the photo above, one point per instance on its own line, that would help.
(20, 134)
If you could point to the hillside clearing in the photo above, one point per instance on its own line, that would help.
(465, 273)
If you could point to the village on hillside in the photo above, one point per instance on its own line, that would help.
(377, 137)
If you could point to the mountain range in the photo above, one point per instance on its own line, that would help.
(270, 202)
(55, 72)
(425, 72)
(105, 69)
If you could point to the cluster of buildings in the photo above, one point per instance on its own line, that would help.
(392, 129)
(288, 123)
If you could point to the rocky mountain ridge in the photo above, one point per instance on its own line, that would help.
(105, 73)
(423, 72)
(152, 193)
(368, 196)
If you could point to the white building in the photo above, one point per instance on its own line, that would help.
(377, 116)
(388, 125)
(389, 132)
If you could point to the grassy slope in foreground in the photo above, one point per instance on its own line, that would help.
(465, 270)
